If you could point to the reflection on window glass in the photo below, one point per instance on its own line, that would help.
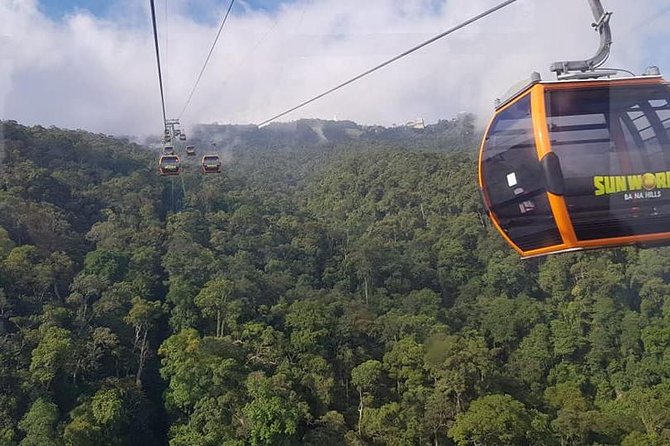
(514, 182)
(613, 145)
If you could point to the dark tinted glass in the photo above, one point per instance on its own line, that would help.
(614, 150)
(513, 180)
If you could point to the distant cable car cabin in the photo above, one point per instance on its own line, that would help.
(211, 164)
(168, 149)
(169, 165)
(182, 137)
(190, 150)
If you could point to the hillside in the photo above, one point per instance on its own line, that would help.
(457, 134)
(347, 291)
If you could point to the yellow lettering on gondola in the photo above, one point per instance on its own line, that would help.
(620, 184)
(634, 182)
(613, 184)
(598, 182)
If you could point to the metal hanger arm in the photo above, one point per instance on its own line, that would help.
(602, 25)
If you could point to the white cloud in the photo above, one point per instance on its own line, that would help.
(100, 74)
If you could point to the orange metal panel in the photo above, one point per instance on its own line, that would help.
(543, 144)
(481, 156)
(573, 85)
(628, 240)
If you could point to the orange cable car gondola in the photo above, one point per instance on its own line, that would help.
(169, 165)
(168, 149)
(211, 164)
(581, 163)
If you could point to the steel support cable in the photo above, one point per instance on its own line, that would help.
(247, 57)
(204, 66)
(243, 60)
(390, 61)
(167, 50)
(158, 58)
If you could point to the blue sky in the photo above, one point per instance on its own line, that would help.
(57, 9)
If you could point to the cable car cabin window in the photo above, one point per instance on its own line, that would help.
(614, 148)
(514, 186)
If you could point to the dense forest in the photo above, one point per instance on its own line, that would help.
(347, 293)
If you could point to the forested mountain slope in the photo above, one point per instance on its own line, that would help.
(450, 135)
(355, 295)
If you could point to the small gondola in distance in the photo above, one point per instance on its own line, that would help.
(190, 150)
(168, 149)
(169, 165)
(211, 164)
(579, 164)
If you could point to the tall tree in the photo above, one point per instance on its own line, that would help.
(143, 317)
